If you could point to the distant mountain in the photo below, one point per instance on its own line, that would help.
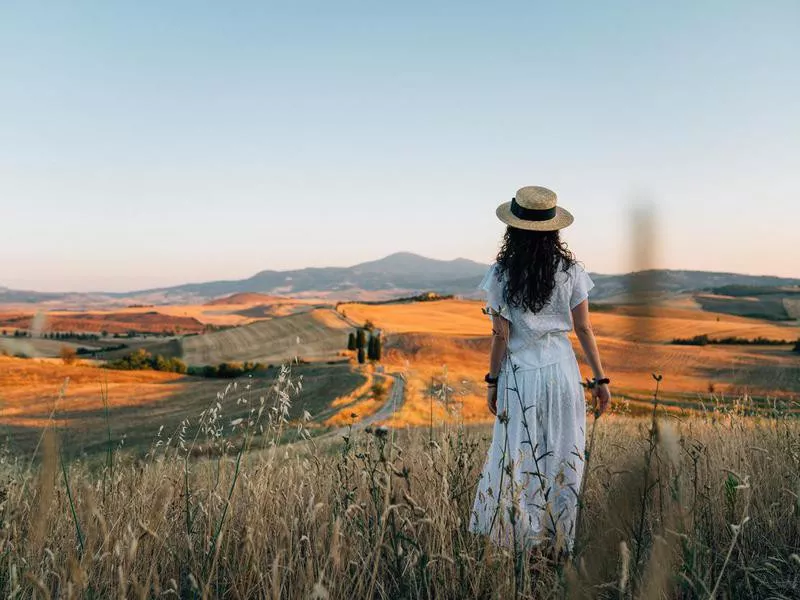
(403, 274)
(10, 296)
(665, 281)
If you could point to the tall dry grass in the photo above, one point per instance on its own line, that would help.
(706, 506)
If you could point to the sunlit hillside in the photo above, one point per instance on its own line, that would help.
(442, 346)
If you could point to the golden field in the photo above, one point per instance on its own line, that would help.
(238, 309)
(439, 347)
(85, 401)
(146, 484)
(693, 507)
(448, 340)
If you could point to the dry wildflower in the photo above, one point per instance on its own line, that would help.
(668, 440)
(624, 572)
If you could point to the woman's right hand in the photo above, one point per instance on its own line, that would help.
(602, 397)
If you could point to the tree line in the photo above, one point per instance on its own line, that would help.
(704, 340)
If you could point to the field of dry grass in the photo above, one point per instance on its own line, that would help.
(239, 309)
(147, 320)
(443, 345)
(31, 390)
(661, 324)
(76, 397)
(692, 507)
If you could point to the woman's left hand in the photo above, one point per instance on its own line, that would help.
(491, 399)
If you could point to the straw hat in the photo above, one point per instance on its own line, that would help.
(534, 208)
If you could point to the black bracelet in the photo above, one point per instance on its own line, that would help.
(491, 380)
(605, 380)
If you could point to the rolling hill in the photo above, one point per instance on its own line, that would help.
(319, 334)
(402, 274)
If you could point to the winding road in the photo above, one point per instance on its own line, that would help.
(392, 404)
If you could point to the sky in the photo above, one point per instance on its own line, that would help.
(154, 143)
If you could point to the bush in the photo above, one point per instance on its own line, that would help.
(226, 370)
(229, 370)
(142, 360)
(68, 355)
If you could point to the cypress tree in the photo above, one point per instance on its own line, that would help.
(361, 339)
(371, 348)
(351, 341)
(361, 356)
(378, 348)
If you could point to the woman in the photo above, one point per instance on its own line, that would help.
(528, 492)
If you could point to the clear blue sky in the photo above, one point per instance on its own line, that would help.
(152, 143)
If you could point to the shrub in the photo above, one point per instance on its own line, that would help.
(226, 370)
(68, 354)
(141, 360)
(229, 370)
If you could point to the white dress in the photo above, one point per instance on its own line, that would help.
(528, 491)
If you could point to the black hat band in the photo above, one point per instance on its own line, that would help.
(531, 214)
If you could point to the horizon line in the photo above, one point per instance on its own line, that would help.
(400, 252)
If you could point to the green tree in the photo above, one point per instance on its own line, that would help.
(361, 356)
(161, 364)
(361, 339)
(378, 348)
(351, 341)
(229, 370)
(371, 348)
(796, 346)
(176, 365)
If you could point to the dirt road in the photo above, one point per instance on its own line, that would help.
(392, 404)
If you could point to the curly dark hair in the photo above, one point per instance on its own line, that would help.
(530, 261)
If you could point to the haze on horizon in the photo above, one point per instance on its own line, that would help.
(154, 144)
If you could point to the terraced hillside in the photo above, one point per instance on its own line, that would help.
(319, 334)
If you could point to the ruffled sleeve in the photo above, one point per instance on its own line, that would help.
(494, 285)
(581, 286)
